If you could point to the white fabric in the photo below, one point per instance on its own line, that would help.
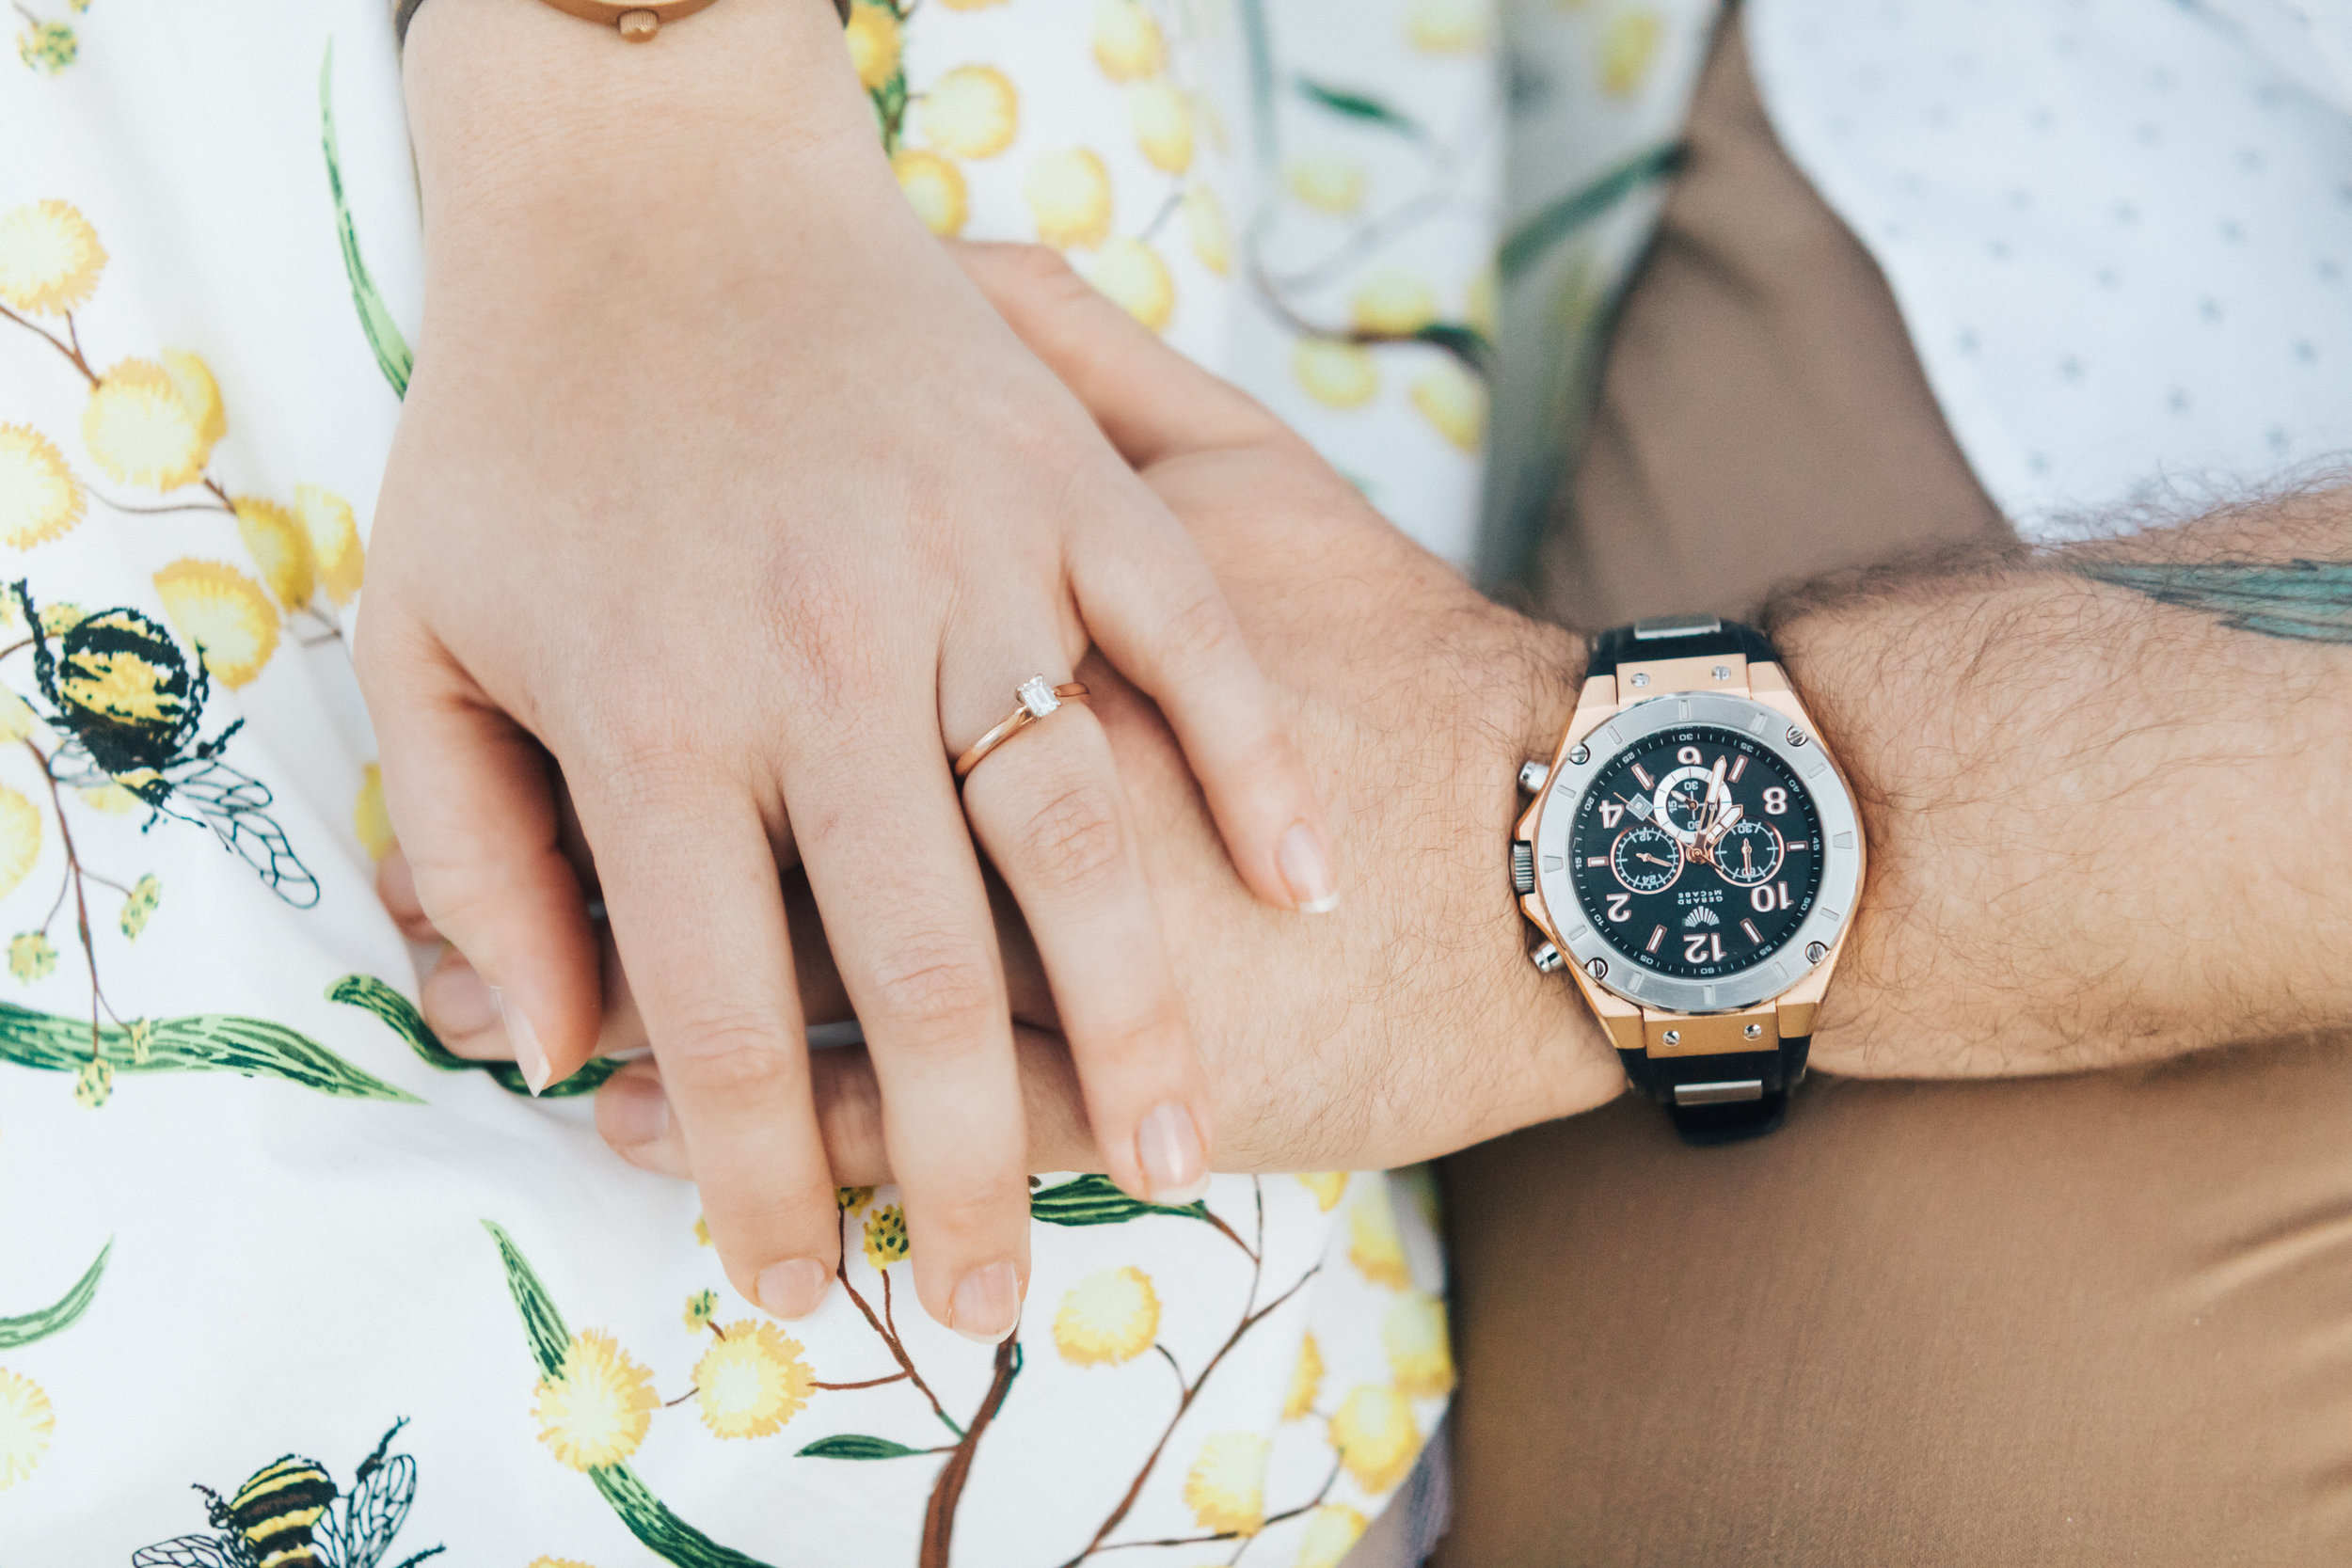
(2120, 231)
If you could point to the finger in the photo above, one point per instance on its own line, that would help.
(396, 889)
(633, 1115)
(469, 799)
(908, 918)
(1047, 806)
(1150, 402)
(692, 892)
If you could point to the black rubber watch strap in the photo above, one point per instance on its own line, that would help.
(1667, 639)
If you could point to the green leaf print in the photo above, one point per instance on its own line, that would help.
(383, 335)
(205, 1042)
(366, 990)
(1548, 224)
(1094, 1200)
(40, 1325)
(1357, 105)
(663, 1533)
(853, 1445)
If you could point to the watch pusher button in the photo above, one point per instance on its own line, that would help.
(1523, 866)
(1547, 959)
(1533, 774)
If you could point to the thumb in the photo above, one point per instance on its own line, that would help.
(1152, 403)
(470, 801)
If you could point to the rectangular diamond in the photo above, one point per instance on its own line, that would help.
(1038, 697)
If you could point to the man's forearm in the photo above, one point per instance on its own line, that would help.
(2102, 787)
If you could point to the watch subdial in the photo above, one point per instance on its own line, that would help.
(1748, 854)
(1647, 860)
(1681, 803)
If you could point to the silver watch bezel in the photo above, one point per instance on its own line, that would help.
(1841, 854)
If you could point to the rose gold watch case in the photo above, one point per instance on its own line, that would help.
(1639, 1007)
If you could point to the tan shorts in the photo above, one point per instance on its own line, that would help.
(2084, 1321)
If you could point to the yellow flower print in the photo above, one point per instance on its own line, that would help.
(1375, 1436)
(138, 905)
(853, 1200)
(20, 838)
(1338, 375)
(753, 1381)
(17, 719)
(1070, 197)
(1226, 1486)
(1455, 400)
(39, 498)
(873, 35)
(1420, 1352)
(1332, 1530)
(1127, 41)
(1107, 1318)
(142, 429)
(1447, 26)
(334, 533)
(556, 1563)
(701, 1232)
(61, 617)
(94, 1083)
(1394, 301)
(1210, 232)
(280, 547)
(1162, 118)
(1306, 1380)
(595, 1409)
(200, 392)
(1131, 273)
(1629, 44)
(110, 799)
(50, 259)
(934, 188)
(370, 821)
(701, 1307)
(970, 5)
(885, 1236)
(1326, 1185)
(222, 612)
(26, 1423)
(49, 46)
(1374, 1246)
(31, 957)
(1327, 184)
(971, 112)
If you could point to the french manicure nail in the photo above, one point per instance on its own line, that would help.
(635, 1111)
(530, 1054)
(458, 998)
(1308, 870)
(987, 1304)
(1168, 1146)
(793, 1288)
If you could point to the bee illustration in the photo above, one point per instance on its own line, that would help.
(129, 706)
(287, 1514)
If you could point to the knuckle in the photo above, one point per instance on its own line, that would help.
(967, 1210)
(1199, 634)
(939, 990)
(1073, 843)
(734, 1056)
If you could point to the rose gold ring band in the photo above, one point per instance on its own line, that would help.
(1037, 701)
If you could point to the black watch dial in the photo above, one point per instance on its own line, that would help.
(1696, 852)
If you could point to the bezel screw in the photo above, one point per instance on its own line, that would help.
(1597, 969)
(1639, 677)
(1797, 737)
(1580, 754)
(1721, 671)
(1753, 1031)
(1672, 1036)
(1815, 951)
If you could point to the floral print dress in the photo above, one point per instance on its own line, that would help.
(283, 1282)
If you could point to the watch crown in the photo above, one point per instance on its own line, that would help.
(1532, 775)
(1545, 959)
(1523, 866)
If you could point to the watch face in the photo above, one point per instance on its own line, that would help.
(1696, 852)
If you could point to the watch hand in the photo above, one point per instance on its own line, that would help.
(1731, 815)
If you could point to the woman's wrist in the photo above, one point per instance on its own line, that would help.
(528, 122)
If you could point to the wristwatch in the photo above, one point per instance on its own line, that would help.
(1692, 856)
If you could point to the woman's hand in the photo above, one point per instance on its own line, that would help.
(723, 489)
(1407, 1024)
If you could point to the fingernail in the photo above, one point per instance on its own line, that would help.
(530, 1054)
(457, 998)
(1168, 1145)
(987, 1304)
(793, 1288)
(1308, 870)
(635, 1110)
